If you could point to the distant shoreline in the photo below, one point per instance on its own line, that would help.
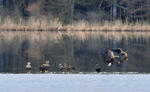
(68, 29)
(81, 26)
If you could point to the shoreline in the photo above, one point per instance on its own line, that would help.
(67, 29)
(83, 73)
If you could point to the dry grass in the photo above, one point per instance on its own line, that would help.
(31, 25)
(110, 26)
(55, 25)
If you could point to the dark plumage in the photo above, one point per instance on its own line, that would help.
(118, 50)
(98, 70)
(123, 54)
(110, 57)
(114, 55)
(70, 68)
(66, 68)
(61, 68)
(44, 68)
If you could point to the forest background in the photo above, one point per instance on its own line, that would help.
(69, 11)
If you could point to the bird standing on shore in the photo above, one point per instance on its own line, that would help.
(61, 68)
(44, 68)
(28, 67)
(98, 69)
(66, 68)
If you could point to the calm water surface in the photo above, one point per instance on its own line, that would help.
(79, 49)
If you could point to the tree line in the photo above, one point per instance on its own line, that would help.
(74, 10)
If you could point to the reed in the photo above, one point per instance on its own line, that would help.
(44, 24)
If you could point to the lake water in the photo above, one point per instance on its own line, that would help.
(74, 83)
(79, 49)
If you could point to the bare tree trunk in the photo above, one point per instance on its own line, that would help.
(70, 10)
(114, 11)
(100, 5)
(147, 10)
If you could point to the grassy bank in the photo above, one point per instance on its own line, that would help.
(56, 25)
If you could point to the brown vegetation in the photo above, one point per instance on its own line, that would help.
(56, 25)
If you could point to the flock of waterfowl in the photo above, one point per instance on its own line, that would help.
(44, 68)
(109, 57)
